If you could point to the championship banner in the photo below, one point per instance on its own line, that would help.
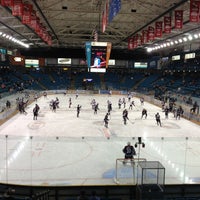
(178, 19)
(38, 27)
(158, 29)
(8, 3)
(17, 8)
(26, 14)
(194, 10)
(33, 22)
(144, 38)
(133, 42)
(167, 24)
(130, 43)
(151, 33)
(41, 30)
(136, 41)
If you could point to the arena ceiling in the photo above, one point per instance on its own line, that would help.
(71, 23)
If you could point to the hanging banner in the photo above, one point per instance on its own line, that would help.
(151, 33)
(34, 20)
(105, 17)
(88, 53)
(137, 41)
(167, 24)
(194, 10)
(130, 43)
(26, 14)
(49, 41)
(108, 51)
(114, 8)
(158, 29)
(144, 38)
(178, 19)
(134, 42)
(17, 8)
(8, 3)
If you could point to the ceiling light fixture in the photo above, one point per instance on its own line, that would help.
(165, 44)
(9, 37)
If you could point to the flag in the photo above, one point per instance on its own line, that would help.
(114, 8)
(105, 17)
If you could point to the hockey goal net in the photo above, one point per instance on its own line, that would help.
(126, 170)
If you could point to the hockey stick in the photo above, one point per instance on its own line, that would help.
(130, 121)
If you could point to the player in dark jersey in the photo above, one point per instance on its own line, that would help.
(78, 110)
(125, 116)
(35, 111)
(129, 152)
(106, 120)
(144, 113)
(96, 107)
(157, 116)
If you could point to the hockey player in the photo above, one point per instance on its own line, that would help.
(70, 102)
(36, 97)
(109, 107)
(131, 105)
(179, 112)
(21, 106)
(120, 103)
(93, 103)
(8, 104)
(35, 111)
(144, 113)
(76, 94)
(142, 101)
(129, 152)
(195, 108)
(54, 106)
(78, 110)
(124, 102)
(45, 94)
(166, 110)
(125, 116)
(106, 120)
(57, 102)
(96, 107)
(129, 97)
(157, 116)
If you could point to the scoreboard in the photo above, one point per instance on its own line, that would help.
(97, 55)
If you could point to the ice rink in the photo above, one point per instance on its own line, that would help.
(61, 149)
